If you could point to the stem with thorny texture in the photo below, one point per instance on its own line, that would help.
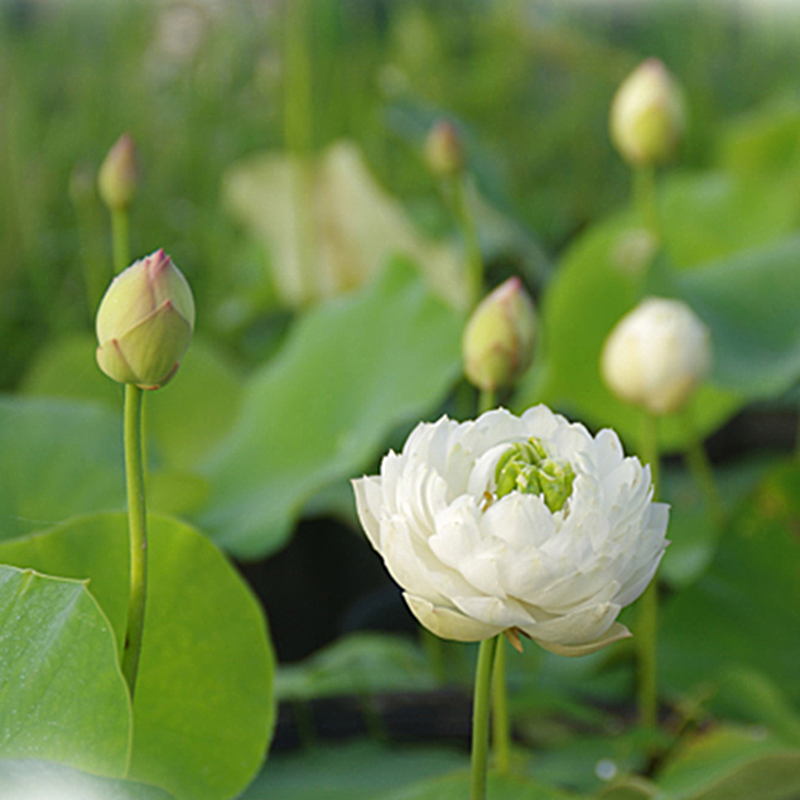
(137, 526)
(647, 627)
(480, 717)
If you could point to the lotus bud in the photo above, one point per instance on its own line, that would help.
(648, 115)
(118, 174)
(145, 322)
(657, 355)
(499, 337)
(443, 150)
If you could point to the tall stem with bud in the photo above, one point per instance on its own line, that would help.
(137, 527)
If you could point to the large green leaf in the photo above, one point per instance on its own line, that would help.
(598, 281)
(750, 302)
(349, 372)
(745, 608)
(763, 141)
(732, 764)
(186, 418)
(361, 663)
(711, 215)
(31, 780)
(357, 771)
(456, 787)
(57, 459)
(62, 695)
(693, 531)
(204, 712)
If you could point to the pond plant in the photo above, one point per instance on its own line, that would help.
(535, 286)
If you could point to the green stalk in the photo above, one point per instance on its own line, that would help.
(137, 526)
(703, 473)
(645, 198)
(647, 624)
(120, 224)
(501, 725)
(480, 718)
(487, 399)
(297, 128)
(469, 230)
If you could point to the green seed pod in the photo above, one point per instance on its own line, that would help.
(118, 174)
(145, 322)
(648, 115)
(499, 337)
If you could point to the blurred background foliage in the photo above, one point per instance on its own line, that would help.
(282, 168)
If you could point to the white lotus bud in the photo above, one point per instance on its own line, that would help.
(657, 355)
(521, 525)
(648, 115)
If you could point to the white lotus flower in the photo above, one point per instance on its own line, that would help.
(518, 525)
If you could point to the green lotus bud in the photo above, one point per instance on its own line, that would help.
(443, 150)
(118, 174)
(499, 338)
(648, 115)
(145, 322)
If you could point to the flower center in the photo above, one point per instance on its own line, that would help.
(526, 467)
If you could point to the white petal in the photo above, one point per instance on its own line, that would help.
(575, 628)
(460, 544)
(449, 623)
(613, 634)
(494, 611)
(519, 519)
(369, 502)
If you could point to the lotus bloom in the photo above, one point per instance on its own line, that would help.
(522, 525)
(145, 322)
(648, 115)
(657, 355)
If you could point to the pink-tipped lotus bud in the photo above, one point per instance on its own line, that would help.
(499, 338)
(443, 150)
(145, 322)
(648, 115)
(657, 355)
(118, 174)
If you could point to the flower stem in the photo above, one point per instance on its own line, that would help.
(480, 718)
(645, 199)
(501, 726)
(120, 238)
(647, 627)
(487, 399)
(298, 120)
(703, 473)
(469, 230)
(137, 526)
